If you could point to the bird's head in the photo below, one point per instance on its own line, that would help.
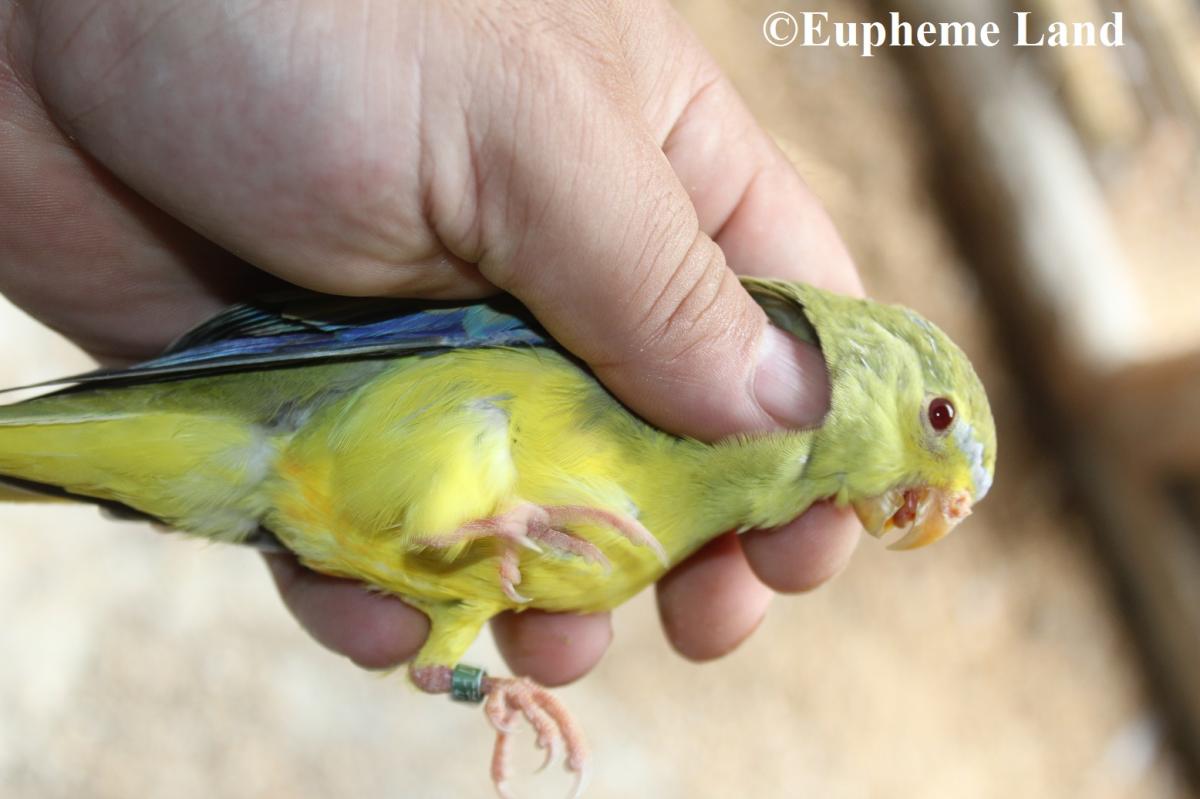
(909, 439)
(945, 455)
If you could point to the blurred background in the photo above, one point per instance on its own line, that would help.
(1040, 205)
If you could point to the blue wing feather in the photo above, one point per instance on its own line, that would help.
(305, 328)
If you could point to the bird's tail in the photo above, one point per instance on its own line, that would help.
(189, 469)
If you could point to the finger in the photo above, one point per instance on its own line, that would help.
(806, 552)
(747, 195)
(373, 630)
(712, 602)
(552, 648)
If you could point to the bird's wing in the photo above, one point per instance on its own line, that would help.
(786, 305)
(301, 327)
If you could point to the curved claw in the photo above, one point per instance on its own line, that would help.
(512, 593)
(581, 780)
(510, 576)
(553, 750)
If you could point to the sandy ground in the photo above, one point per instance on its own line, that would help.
(134, 664)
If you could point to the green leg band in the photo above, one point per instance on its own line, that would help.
(466, 684)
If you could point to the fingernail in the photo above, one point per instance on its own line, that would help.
(791, 383)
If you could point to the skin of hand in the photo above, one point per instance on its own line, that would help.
(159, 159)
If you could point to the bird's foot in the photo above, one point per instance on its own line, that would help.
(512, 531)
(557, 732)
(506, 698)
(538, 528)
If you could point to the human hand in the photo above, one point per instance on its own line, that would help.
(589, 160)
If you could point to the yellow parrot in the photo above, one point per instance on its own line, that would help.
(454, 456)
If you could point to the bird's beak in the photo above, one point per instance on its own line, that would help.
(925, 513)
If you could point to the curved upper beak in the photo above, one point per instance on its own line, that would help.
(925, 513)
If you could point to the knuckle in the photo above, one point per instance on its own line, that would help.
(693, 307)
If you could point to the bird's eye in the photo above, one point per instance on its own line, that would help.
(941, 414)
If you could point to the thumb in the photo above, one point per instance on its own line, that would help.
(679, 340)
(597, 236)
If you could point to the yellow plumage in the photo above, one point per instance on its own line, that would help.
(372, 481)
(364, 479)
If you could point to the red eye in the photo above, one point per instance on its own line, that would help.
(941, 413)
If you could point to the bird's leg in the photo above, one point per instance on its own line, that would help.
(504, 699)
(529, 526)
